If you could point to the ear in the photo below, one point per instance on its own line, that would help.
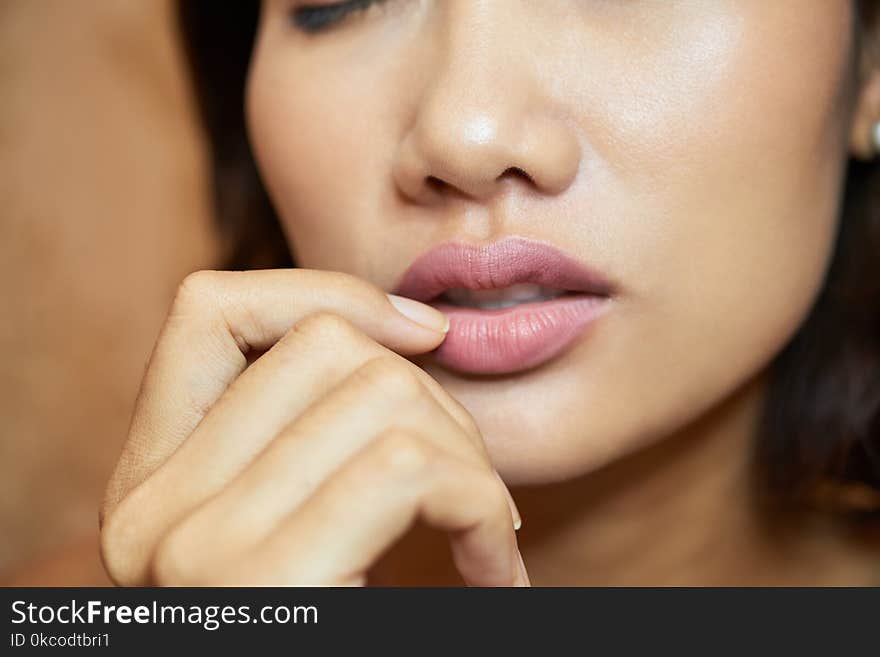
(867, 108)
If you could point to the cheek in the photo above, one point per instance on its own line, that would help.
(725, 206)
(318, 151)
(720, 207)
(739, 173)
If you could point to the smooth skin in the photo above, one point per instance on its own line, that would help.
(693, 151)
(306, 466)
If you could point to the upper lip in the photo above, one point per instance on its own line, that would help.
(500, 264)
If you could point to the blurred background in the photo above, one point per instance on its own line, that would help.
(104, 208)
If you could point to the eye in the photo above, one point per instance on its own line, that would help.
(314, 18)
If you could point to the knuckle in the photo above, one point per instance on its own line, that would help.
(497, 495)
(402, 453)
(197, 285)
(494, 497)
(172, 563)
(197, 294)
(117, 534)
(323, 325)
(393, 377)
(286, 350)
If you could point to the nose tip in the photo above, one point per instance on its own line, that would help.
(453, 155)
(475, 158)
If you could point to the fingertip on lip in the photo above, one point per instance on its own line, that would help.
(420, 313)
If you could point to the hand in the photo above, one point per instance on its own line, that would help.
(304, 466)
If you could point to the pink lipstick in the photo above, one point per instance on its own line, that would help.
(512, 305)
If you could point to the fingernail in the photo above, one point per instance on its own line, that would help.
(514, 512)
(420, 313)
(523, 579)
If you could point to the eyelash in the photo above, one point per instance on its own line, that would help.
(316, 18)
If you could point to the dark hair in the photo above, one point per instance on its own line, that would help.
(819, 438)
(218, 38)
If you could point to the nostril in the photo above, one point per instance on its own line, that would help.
(434, 184)
(515, 171)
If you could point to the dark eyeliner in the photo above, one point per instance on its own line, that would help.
(313, 18)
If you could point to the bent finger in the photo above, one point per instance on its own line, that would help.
(218, 318)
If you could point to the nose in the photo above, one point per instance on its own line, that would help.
(483, 116)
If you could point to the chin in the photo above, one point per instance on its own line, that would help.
(540, 426)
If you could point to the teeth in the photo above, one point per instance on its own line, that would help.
(499, 298)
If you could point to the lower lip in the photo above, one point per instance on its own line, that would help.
(516, 338)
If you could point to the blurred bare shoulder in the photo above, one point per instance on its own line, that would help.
(104, 199)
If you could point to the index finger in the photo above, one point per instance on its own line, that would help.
(219, 317)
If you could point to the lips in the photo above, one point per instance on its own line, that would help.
(504, 338)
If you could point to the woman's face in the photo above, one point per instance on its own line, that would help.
(692, 151)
